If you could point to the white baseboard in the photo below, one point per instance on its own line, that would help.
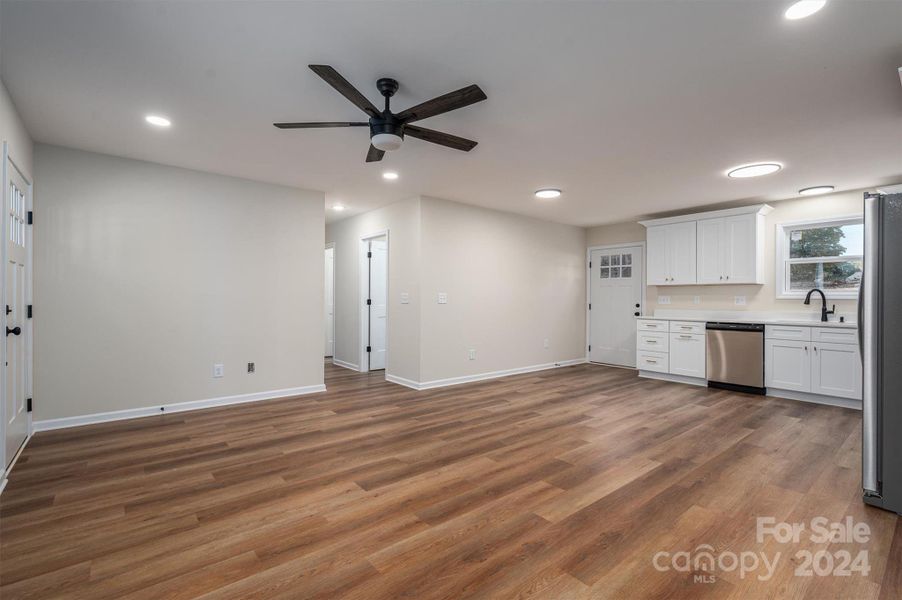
(3, 484)
(133, 413)
(673, 378)
(437, 383)
(815, 398)
(346, 365)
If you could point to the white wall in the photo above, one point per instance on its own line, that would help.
(13, 131)
(402, 220)
(512, 282)
(147, 275)
(758, 297)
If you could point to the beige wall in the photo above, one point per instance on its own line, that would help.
(13, 131)
(402, 220)
(512, 282)
(758, 297)
(147, 275)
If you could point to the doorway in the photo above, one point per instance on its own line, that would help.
(329, 303)
(374, 292)
(17, 240)
(616, 296)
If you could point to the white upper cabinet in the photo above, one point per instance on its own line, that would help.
(720, 247)
(671, 254)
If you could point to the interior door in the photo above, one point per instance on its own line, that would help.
(15, 374)
(329, 304)
(378, 308)
(615, 295)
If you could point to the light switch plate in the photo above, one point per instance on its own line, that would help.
(696, 299)
(546, 345)
(663, 299)
(471, 354)
(739, 300)
(442, 298)
(405, 298)
(218, 370)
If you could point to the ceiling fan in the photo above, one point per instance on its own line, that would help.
(387, 129)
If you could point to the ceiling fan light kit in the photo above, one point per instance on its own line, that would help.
(387, 129)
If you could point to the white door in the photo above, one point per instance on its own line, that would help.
(15, 374)
(836, 370)
(682, 251)
(656, 242)
(615, 297)
(710, 251)
(787, 365)
(329, 304)
(378, 296)
(740, 249)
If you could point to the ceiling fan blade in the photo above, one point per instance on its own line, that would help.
(333, 78)
(319, 125)
(374, 154)
(437, 137)
(448, 102)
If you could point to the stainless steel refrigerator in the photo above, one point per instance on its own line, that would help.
(880, 338)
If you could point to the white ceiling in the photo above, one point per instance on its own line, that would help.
(632, 108)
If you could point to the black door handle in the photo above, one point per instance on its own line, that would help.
(15, 330)
(636, 314)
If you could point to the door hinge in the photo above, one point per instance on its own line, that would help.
(368, 301)
(590, 306)
(369, 255)
(590, 264)
(28, 404)
(30, 311)
(31, 217)
(369, 348)
(590, 347)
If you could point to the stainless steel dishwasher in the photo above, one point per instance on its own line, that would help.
(735, 356)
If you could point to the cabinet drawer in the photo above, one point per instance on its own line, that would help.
(651, 325)
(652, 340)
(652, 361)
(787, 332)
(687, 327)
(834, 336)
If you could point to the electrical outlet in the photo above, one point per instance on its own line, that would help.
(663, 299)
(471, 354)
(739, 300)
(250, 367)
(442, 298)
(405, 298)
(696, 299)
(546, 345)
(218, 370)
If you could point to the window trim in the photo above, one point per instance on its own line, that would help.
(781, 273)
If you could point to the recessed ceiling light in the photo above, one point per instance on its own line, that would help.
(803, 8)
(548, 193)
(390, 175)
(755, 170)
(337, 207)
(158, 120)
(818, 189)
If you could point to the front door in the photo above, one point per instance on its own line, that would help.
(15, 373)
(378, 308)
(615, 296)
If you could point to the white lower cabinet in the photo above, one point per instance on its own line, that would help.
(787, 365)
(687, 354)
(836, 370)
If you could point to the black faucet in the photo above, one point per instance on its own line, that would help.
(824, 311)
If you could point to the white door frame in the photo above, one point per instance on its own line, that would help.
(363, 289)
(334, 303)
(589, 284)
(29, 330)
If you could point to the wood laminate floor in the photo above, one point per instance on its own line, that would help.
(562, 484)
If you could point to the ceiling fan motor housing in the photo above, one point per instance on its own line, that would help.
(386, 132)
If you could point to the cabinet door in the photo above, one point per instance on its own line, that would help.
(682, 251)
(687, 354)
(787, 365)
(710, 251)
(656, 243)
(740, 249)
(836, 370)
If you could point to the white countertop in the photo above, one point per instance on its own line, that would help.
(727, 316)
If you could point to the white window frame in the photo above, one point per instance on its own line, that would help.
(782, 258)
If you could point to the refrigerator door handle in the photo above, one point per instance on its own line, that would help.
(868, 327)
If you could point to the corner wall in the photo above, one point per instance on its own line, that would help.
(758, 297)
(146, 275)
